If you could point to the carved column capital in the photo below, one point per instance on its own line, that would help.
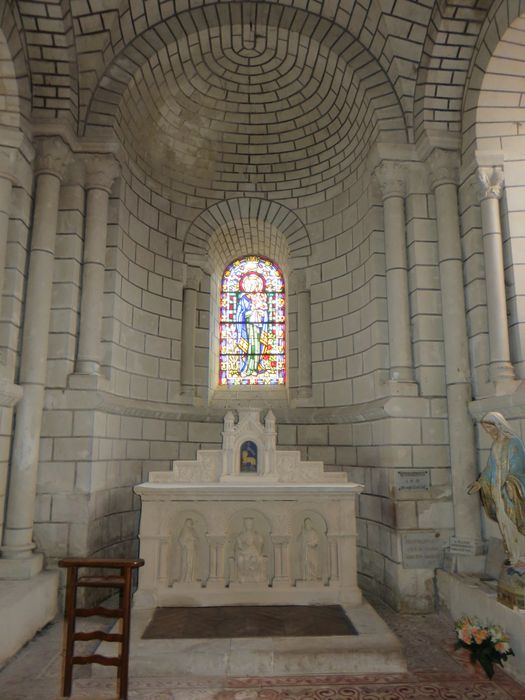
(391, 177)
(491, 181)
(101, 172)
(53, 156)
(444, 167)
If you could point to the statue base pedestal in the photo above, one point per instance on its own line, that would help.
(465, 594)
(511, 587)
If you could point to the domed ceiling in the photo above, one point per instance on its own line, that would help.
(277, 98)
(284, 109)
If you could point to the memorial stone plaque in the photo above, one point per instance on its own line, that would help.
(423, 550)
(413, 480)
(464, 545)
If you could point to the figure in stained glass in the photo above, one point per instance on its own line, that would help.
(252, 323)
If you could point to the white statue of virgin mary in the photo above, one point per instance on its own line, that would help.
(501, 485)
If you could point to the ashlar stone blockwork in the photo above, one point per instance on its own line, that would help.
(319, 135)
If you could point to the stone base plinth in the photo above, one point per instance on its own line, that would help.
(375, 649)
(25, 607)
(468, 595)
(511, 587)
(23, 568)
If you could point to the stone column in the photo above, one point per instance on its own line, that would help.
(491, 188)
(391, 177)
(467, 520)
(101, 171)
(51, 162)
(7, 177)
(189, 325)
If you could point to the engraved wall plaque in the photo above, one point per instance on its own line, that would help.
(413, 480)
(464, 545)
(423, 550)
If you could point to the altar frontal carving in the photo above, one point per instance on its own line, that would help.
(248, 524)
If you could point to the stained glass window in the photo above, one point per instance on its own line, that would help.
(252, 323)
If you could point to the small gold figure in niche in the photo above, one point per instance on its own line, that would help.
(248, 457)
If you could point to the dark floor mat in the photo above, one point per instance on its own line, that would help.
(249, 621)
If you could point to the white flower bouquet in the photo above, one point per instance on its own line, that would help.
(487, 643)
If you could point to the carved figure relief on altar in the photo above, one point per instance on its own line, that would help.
(309, 551)
(250, 561)
(189, 550)
(250, 553)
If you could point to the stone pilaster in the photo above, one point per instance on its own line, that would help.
(391, 177)
(7, 177)
(52, 159)
(189, 324)
(101, 172)
(467, 520)
(304, 334)
(491, 183)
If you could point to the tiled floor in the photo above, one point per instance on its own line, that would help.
(435, 671)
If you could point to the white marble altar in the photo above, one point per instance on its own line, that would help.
(248, 524)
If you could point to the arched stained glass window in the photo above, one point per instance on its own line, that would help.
(252, 323)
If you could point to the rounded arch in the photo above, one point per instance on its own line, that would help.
(444, 65)
(286, 105)
(15, 80)
(493, 101)
(51, 55)
(138, 31)
(250, 225)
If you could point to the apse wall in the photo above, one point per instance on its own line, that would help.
(102, 437)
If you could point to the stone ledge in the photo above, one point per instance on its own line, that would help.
(25, 607)
(97, 400)
(511, 405)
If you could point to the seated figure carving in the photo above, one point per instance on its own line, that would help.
(249, 557)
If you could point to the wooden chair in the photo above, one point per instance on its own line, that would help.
(121, 581)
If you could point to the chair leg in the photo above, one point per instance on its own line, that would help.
(125, 604)
(71, 598)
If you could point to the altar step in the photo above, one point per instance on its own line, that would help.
(375, 649)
